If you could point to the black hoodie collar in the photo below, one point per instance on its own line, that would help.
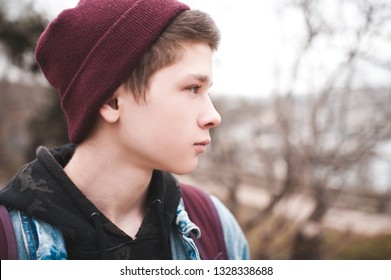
(43, 190)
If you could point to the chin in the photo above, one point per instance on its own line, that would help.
(183, 169)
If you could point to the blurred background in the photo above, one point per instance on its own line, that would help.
(303, 155)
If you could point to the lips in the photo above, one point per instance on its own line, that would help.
(201, 146)
(203, 143)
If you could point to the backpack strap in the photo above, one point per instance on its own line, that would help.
(211, 245)
(8, 245)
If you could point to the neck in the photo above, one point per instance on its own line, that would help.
(116, 187)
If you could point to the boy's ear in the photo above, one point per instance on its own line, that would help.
(109, 111)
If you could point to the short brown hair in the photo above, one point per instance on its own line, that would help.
(190, 26)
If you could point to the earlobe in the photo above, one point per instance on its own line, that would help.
(109, 111)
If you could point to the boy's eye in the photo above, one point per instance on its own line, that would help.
(194, 89)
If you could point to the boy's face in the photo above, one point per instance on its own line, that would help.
(171, 130)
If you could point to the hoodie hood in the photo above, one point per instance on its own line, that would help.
(43, 190)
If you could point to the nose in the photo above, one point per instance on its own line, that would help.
(209, 118)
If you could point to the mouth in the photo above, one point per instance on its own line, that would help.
(201, 146)
(203, 143)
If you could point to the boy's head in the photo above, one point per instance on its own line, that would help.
(87, 52)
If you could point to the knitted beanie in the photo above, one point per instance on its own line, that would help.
(88, 51)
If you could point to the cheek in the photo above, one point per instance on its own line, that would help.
(165, 122)
(163, 139)
(173, 116)
(157, 127)
(170, 129)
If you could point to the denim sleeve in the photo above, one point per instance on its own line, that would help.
(16, 221)
(237, 245)
(36, 239)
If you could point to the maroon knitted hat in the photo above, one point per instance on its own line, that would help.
(88, 51)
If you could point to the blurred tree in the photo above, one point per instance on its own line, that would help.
(19, 35)
(48, 128)
(318, 142)
(331, 138)
(43, 120)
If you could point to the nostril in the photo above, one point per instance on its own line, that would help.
(210, 125)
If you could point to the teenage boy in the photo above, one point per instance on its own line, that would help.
(133, 78)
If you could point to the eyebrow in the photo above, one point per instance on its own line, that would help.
(200, 77)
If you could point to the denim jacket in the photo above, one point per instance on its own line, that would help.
(42, 241)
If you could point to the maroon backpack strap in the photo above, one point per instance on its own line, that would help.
(8, 245)
(203, 213)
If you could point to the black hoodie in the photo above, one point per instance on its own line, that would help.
(43, 190)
